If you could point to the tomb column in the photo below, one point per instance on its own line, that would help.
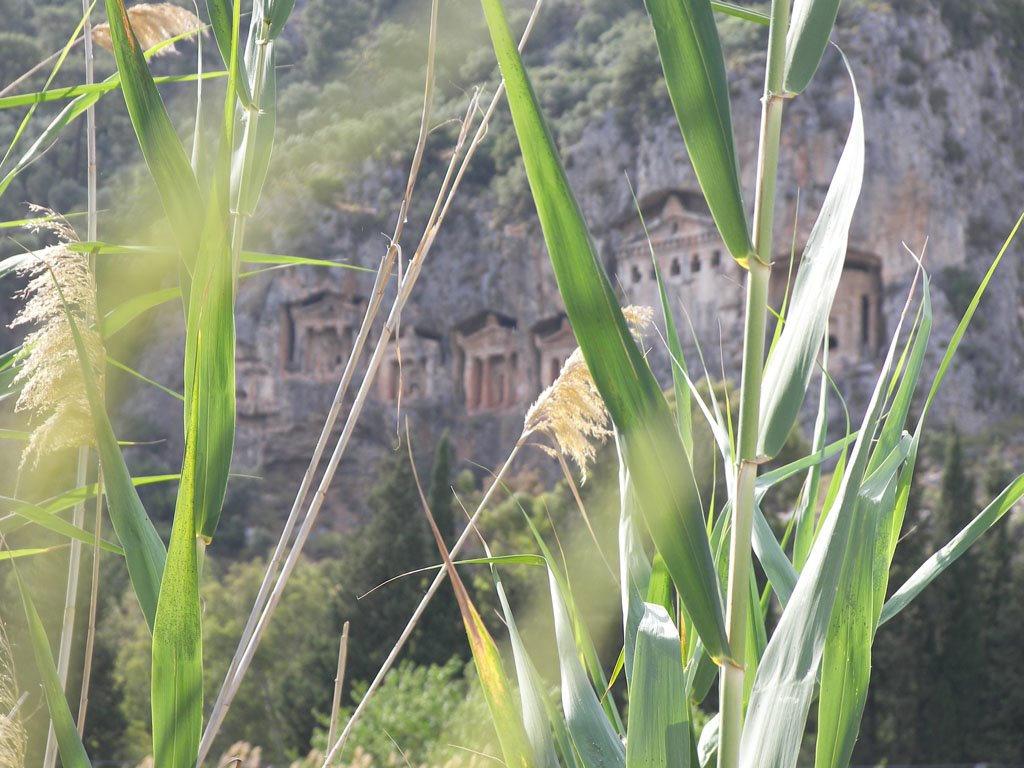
(485, 388)
(506, 385)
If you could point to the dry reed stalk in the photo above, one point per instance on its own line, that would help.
(339, 682)
(239, 662)
(90, 634)
(250, 639)
(470, 528)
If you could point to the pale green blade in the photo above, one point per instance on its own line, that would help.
(691, 56)
(177, 649)
(788, 372)
(741, 12)
(952, 551)
(634, 568)
(111, 83)
(168, 164)
(653, 451)
(14, 554)
(809, 31)
(846, 661)
(807, 504)
(531, 691)
(595, 740)
(680, 387)
(785, 681)
(222, 22)
(45, 519)
(69, 743)
(123, 314)
(659, 731)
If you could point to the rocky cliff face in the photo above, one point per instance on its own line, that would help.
(941, 107)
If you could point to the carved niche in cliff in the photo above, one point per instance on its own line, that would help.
(413, 366)
(318, 333)
(554, 341)
(855, 322)
(692, 259)
(488, 364)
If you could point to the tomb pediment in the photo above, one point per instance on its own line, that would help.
(318, 332)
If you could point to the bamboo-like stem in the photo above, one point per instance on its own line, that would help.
(339, 682)
(497, 482)
(67, 632)
(90, 635)
(734, 674)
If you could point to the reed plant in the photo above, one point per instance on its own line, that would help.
(692, 609)
(208, 193)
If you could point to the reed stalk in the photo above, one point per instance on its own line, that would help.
(755, 324)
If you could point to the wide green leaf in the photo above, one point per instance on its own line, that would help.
(659, 731)
(691, 56)
(69, 743)
(654, 454)
(788, 372)
(809, 30)
(177, 650)
(168, 164)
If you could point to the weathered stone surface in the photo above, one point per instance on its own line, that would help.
(483, 333)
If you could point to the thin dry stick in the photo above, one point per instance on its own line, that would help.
(226, 693)
(245, 650)
(339, 682)
(67, 631)
(496, 483)
(36, 68)
(90, 635)
(91, 236)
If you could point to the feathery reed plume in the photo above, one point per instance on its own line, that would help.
(153, 23)
(13, 737)
(50, 377)
(570, 411)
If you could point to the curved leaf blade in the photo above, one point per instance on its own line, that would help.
(691, 56)
(69, 743)
(654, 454)
(168, 164)
(809, 30)
(177, 648)
(788, 372)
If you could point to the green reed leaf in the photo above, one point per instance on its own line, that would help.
(691, 56)
(788, 372)
(654, 454)
(809, 30)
